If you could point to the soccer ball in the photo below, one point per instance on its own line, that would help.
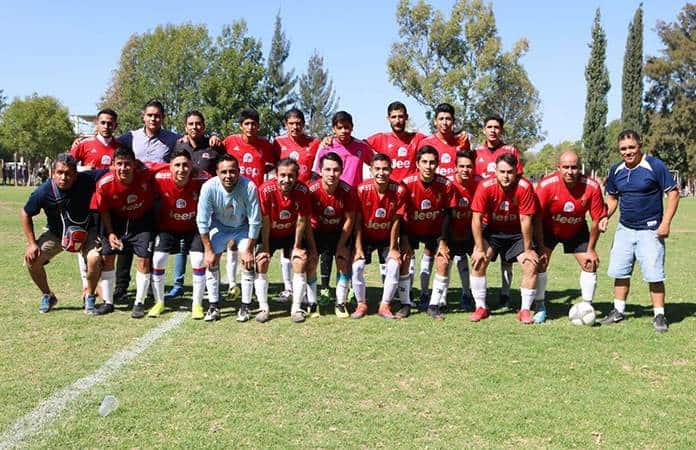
(582, 314)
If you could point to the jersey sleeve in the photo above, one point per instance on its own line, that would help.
(264, 202)
(453, 196)
(528, 201)
(351, 201)
(205, 210)
(542, 193)
(597, 208)
(99, 200)
(401, 201)
(76, 151)
(315, 166)
(520, 167)
(367, 155)
(610, 185)
(665, 177)
(478, 204)
(305, 205)
(126, 140)
(372, 141)
(36, 200)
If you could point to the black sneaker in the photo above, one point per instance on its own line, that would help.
(104, 308)
(212, 314)
(138, 311)
(660, 323)
(435, 313)
(613, 317)
(403, 312)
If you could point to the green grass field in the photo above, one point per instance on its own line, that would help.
(358, 384)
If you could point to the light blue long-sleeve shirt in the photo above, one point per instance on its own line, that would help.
(217, 207)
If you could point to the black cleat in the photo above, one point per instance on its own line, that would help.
(613, 317)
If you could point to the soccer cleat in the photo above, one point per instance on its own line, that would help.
(313, 310)
(234, 292)
(213, 313)
(360, 311)
(298, 316)
(613, 317)
(174, 292)
(197, 312)
(89, 301)
(525, 316)
(424, 301)
(539, 316)
(403, 312)
(660, 323)
(156, 310)
(324, 296)
(284, 297)
(138, 311)
(341, 311)
(48, 301)
(435, 312)
(466, 303)
(479, 314)
(243, 314)
(385, 312)
(262, 316)
(104, 308)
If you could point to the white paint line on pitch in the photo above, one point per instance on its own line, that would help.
(53, 406)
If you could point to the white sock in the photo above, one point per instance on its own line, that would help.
(107, 282)
(463, 269)
(261, 288)
(286, 269)
(311, 290)
(198, 271)
(426, 265)
(299, 289)
(506, 278)
(142, 283)
(405, 289)
(657, 311)
(391, 280)
(342, 288)
(359, 280)
(247, 286)
(158, 284)
(478, 290)
(232, 267)
(542, 279)
(212, 284)
(82, 264)
(620, 305)
(527, 297)
(588, 284)
(437, 297)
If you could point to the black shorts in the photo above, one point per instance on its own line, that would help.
(136, 236)
(429, 242)
(285, 244)
(174, 243)
(577, 244)
(461, 248)
(509, 246)
(382, 251)
(326, 242)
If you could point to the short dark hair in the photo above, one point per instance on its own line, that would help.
(508, 158)
(469, 154)
(248, 113)
(331, 156)
(194, 112)
(444, 108)
(294, 112)
(395, 106)
(495, 117)
(341, 116)
(108, 111)
(380, 157)
(156, 103)
(289, 162)
(180, 152)
(427, 150)
(66, 159)
(226, 157)
(124, 152)
(629, 134)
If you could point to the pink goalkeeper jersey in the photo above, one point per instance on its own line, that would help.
(354, 155)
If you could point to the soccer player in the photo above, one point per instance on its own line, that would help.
(302, 148)
(228, 210)
(285, 208)
(462, 242)
(333, 212)
(178, 186)
(95, 152)
(377, 225)
(429, 199)
(508, 203)
(125, 197)
(203, 155)
(565, 197)
(256, 157)
(65, 199)
(639, 182)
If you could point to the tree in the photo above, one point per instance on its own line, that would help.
(459, 60)
(594, 134)
(632, 80)
(317, 97)
(546, 160)
(671, 94)
(166, 64)
(36, 127)
(3, 100)
(280, 85)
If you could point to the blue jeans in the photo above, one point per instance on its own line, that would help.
(643, 245)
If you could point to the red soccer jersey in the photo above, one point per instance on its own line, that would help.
(127, 201)
(484, 167)
(461, 214)
(252, 158)
(502, 208)
(328, 211)
(301, 151)
(447, 152)
(91, 152)
(283, 210)
(424, 204)
(379, 213)
(563, 209)
(178, 205)
(401, 153)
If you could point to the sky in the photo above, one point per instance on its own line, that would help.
(69, 49)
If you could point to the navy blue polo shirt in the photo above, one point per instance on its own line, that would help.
(640, 191)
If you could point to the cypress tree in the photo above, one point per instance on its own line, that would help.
(280, 85)
(632, 81)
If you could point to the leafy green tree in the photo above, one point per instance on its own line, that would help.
(280, 85)
(166, 64)
(632, 80)
(317, 97)
(36, 127)
(546, 160)
(459, 59)
(671, 94)
(3, 100)
(594, 135)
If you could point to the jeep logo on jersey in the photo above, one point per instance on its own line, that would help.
(284, 214)
(463, 202)
(491, 167)
(425, 204)
(380, 213)
(505, 205)
(446, 158)
(247, 158)
(402, 151)
(294, 155)
(329, 211)
(106, 160)
(568, 207)
(180, 203)
(131, 198)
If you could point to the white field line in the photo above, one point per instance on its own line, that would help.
(50, 408)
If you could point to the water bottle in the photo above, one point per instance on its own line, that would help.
(108, 405)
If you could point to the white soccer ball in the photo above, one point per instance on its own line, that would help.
(582, 314)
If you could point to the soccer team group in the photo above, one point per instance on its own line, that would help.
(151, 193)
